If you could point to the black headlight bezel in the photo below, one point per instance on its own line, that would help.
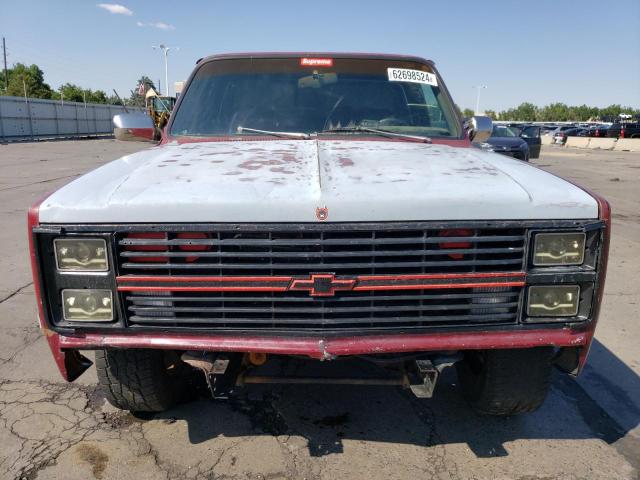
(80, 239)
(593, 234)
(587, 290)
(54, 280)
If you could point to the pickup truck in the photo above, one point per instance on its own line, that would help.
(319, 206)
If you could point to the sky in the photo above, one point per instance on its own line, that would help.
(540, 51)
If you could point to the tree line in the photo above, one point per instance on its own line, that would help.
(556, 112)
(29, 80)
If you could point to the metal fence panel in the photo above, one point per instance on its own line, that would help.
(36, 118)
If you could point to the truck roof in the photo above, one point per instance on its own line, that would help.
(377, 56)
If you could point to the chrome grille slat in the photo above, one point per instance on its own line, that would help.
(314, 309)
(328, 241)
(378, 253)
(311, 323)
(308, 299)
(318, 267)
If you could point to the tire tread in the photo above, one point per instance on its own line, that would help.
(511, 382)
(135, 379)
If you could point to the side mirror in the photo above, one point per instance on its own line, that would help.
(480, 128)
(135, 127)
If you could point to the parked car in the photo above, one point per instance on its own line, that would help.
(506, 141)
(561, 129)
(530, 134)
(561, 137)
(624, 130)
(321, 206)
(598, 130)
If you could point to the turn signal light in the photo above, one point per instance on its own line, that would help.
(455, 232)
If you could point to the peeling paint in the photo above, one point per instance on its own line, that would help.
(345, 162)
(439, 182)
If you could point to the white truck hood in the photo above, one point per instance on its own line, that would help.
(287, 180)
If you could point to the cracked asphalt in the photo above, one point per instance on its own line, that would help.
(588, 428)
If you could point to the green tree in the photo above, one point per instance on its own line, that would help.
(526, 112)
(74, 93)
(136, 99)
(555, 112)
(467, 112)
(97, 96)
(71, 93)
(113, 100)
(491, 114)
(31, 79)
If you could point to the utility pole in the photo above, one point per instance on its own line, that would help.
(4, 54)
(478, 87)
(165, 52)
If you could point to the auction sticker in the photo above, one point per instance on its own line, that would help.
(409, 75)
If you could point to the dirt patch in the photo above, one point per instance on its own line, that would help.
(262, 414)
(117, 420)
(95, 457)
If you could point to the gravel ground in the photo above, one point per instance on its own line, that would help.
(49, 429)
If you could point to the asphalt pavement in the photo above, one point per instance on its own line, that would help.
(588, 428)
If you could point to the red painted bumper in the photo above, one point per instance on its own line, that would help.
(71, 363)
(327, 348)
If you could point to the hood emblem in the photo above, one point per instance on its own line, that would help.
(322, 213)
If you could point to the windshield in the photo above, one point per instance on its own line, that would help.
(502, 131)
(314, 95)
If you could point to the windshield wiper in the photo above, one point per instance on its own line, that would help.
(301, 135)
(384, 133)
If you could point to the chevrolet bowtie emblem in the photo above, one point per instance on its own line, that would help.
(322, 213)
(322, 284)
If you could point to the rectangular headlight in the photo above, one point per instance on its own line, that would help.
(87, 305)
(81, 254)
(558, 249)
(553, 301)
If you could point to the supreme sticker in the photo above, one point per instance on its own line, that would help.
(413, 76)
(316, 62)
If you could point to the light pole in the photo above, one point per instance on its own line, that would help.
(478, 88)
(165, 52)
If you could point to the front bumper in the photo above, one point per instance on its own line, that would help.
(72, 364)
(66, 346)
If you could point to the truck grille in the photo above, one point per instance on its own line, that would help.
(296, 310)
(387, 277)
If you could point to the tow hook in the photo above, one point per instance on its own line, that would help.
(425, 373)
(215, 369)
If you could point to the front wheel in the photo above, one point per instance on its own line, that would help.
(140, 380)
(505, 382)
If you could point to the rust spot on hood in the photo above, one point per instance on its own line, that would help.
(282, 170)
(255, 164)
(345, 162)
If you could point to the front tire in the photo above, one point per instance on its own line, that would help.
(506, 382)
(139, 380)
